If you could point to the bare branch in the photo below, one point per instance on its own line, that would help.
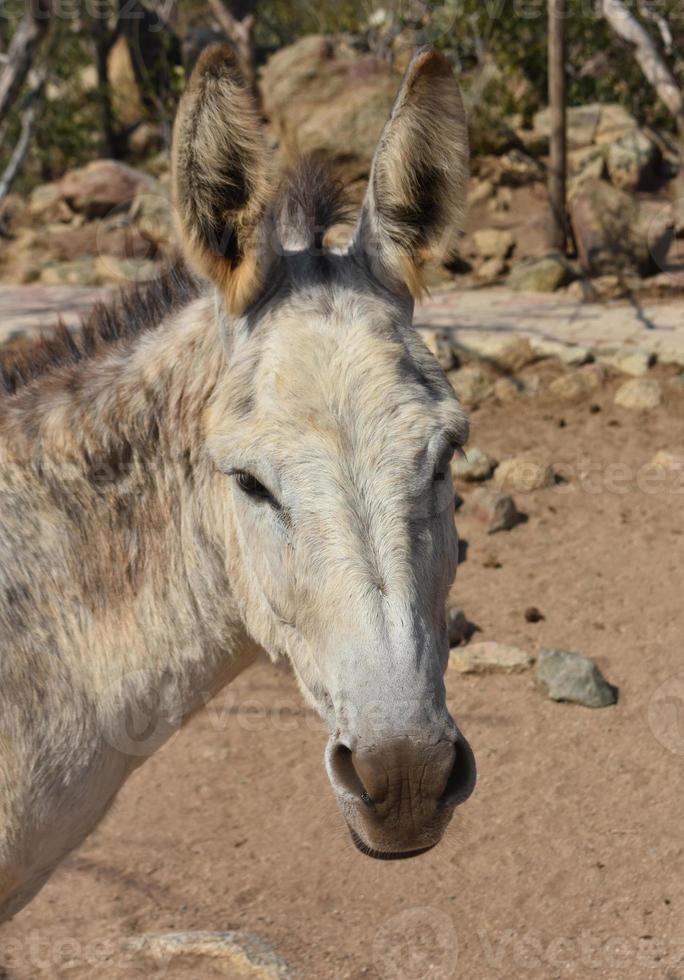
(240, 33)
(21, 52)
(29, 116)
(648, 57)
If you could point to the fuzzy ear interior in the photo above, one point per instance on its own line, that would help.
(415, 200)
(221, 178)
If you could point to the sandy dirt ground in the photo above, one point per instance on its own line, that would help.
(568, 861)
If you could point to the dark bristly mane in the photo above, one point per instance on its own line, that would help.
(313, 199)
(132, 312)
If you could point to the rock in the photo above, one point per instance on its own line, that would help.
(639, 393)
(593, 123)
(678, 381)
(324, 95)
(489, 658)
(517, 169)
(473, 466)
(113, 271)
(101, 186)
(146, 139)
(480, 190)
(533, 615)
(242, 952)
(573, 355)
(491, 269)
(632, 160)
(508, 389)
(458, 627)
(668, 462)
(152, 213)
(613, 234)
(523, 474)
(510, 353)
(493, 243)
(629, 360)
(609, 287)
(571, 677)
(77, 272)
(46, 202)
(495, 510)
(471, 385)
(438, 342)
(573, 387)
(541, 275)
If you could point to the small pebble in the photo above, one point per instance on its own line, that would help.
(571, 677)
(533, 615)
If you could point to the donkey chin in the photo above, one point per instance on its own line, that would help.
(398, 796)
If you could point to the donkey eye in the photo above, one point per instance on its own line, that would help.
(251, 486)
(442, 468)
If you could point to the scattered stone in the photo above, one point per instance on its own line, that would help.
(491, 269)
(523, 474)
(152, 214)
(458, 627)
(609, 287)
(113, 271)
(541, 275)
(571, 677)
(46, 202)
(639, 393)
(629, 360)
(533, 615)
(573, 355)
(632, 160)
(594, 123)
(471, 384)
(438, 342)
(508, 389)
(494, 509)
(576, 385)
(473, 466)
(667, 461)
(489, 658)
(77, 272)
(678, 380)
(493, 243)
(480, 190)
(581, 291)
(510, 353)
(248, 955)
(101, 186)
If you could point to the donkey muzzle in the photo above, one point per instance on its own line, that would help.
(399, 794)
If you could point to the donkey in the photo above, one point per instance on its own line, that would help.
(252, 455)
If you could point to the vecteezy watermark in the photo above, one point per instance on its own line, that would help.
(416, 944)
(666, 714)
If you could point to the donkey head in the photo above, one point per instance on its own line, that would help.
(333, 428)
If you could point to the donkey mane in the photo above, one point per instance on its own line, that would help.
(133, 311)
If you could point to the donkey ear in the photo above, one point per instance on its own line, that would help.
(221, 178)
(415, 199)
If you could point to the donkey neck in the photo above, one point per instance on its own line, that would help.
(111, 453)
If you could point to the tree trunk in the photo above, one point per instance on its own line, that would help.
(29, 116)
(557, 108)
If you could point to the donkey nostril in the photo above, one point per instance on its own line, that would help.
(461, 781)
(342, 764)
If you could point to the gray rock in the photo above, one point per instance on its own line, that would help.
(473, 466)
(248, 955)
(493, 243)
(632, 161)
(438, 342)
(524, 473)
(571, 677)
(489, 658)
(639, 393)
(495, 510)
(542, 275)
(629, 360)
